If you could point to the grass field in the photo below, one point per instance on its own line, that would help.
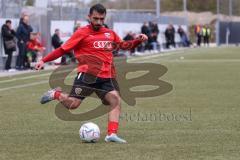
(198, 120)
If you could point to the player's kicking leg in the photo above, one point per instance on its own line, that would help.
(57, 94)
(49, 95)
(70, 101)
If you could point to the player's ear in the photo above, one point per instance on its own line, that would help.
(89, 18)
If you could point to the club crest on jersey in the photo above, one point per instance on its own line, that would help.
(78, 91)
(107, 35)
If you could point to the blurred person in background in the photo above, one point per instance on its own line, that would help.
(57, 42)
(206, 33)
(154, 36)
(184, 38)
(56, 39)
(198, 34)
(9, 43)
(170, 36)
(145, 29)
(34, 49)
(23, 36)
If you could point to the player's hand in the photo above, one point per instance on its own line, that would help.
(142, 37)
(39, 65)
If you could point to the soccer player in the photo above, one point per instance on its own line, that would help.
(92, 46)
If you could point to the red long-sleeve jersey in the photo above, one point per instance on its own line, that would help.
(93, 50)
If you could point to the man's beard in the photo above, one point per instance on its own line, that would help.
(96, 27)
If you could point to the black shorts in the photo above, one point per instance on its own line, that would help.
(85, 84)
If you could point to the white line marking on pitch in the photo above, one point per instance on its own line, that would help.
(204, 60)
(28, 85)
(24, 78)
(33, 76)
(153, 56)
(23, 85)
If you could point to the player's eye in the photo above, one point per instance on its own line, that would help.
(96, 19)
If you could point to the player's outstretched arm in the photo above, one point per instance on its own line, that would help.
(50, 57)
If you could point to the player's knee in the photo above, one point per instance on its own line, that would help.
(115, 100)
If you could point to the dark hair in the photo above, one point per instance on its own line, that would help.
(99, 8)
(8, 21)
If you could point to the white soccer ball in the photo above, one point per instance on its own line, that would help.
(89, 132)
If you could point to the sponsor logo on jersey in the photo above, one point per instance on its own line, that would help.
(102, 44)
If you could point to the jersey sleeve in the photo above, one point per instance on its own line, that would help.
(117, 39)
(74, 40)
(54, 55)
(126, 45)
